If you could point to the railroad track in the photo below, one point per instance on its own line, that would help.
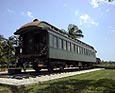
(33, 77)
(32, 73)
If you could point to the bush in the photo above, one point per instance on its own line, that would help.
(110, 67)
(105, 66)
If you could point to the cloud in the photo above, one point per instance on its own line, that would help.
(28, 13)
(65, 5)
(96, 3)
(86, 20)
(111, 28)
(76, 12)
(107, 10)
(10, 10)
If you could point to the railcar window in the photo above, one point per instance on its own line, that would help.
(51, 40)
(68, 46)
(75, 48)
(60, 44)
(83, 51)
(64, 45)
(86, 52)
(55, 42)
(72, 47)
(93, 54)
(89, 52)
(78, 50)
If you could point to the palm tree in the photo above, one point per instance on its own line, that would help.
(74, 31)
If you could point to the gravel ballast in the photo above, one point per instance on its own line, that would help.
(38, 79)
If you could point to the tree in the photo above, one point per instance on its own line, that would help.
(7, 50)
(12, 42)
(98, 60)
(3, 50)
(74, 31)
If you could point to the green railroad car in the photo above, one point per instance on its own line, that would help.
(45, 46)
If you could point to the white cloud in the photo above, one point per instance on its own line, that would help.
(111, 28)
(96, 3)
(65, 5)
(76, 12)
(86, 20)
(107, 10)
(10, 11)
(28, 14)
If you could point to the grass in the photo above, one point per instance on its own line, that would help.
(102, 81)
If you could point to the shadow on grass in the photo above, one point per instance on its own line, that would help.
(77, 86)
(66, 86)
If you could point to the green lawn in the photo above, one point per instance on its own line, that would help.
(102, 81)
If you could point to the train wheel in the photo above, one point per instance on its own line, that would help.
(36, 68)
(50, 69)
(61, 68)
(80, 67)
(21, 64)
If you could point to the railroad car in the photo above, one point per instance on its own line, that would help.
(45, 46)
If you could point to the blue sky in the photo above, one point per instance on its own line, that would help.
(94, 17)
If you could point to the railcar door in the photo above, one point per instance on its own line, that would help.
(27, 43)
(34, 43)
(40, 42)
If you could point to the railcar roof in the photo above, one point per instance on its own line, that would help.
(36, 24)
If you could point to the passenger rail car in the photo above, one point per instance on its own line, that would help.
(45, 46)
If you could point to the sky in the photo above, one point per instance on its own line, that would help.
(94, 17)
